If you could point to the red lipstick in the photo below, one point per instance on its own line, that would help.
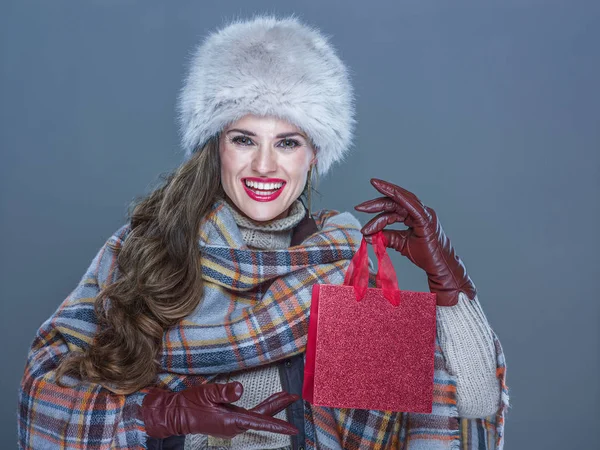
(264, 180)
(263, 197)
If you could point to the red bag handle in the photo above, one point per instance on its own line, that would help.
(357, 274)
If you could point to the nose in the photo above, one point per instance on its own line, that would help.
(264, 161)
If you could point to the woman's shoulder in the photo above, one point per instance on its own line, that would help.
(115, 241)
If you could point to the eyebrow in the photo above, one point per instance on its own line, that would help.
(279, 136)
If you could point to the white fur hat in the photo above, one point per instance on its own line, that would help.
(269, 66)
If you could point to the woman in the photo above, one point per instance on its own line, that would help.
(189, 327)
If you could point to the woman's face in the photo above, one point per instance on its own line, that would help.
(264, 165)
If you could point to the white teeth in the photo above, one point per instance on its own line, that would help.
(263, 186)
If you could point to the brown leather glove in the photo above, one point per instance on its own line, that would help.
(424, 242)
(206, 409)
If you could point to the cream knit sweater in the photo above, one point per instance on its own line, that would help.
(463, 332)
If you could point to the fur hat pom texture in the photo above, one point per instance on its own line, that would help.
(269, 66)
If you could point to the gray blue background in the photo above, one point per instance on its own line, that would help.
(488, 111)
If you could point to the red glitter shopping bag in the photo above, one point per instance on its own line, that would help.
(370, 348)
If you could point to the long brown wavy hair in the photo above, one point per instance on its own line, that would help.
(159, 278)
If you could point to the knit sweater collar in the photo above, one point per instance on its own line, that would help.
(272, 234)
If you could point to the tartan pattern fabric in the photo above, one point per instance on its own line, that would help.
(85, 415)
(254, 311)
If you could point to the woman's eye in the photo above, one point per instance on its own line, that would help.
(290, 143)
(242, 140)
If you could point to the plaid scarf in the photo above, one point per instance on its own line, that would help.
(254, 311)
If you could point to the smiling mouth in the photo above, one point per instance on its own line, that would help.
(265, 189)
(263, 192)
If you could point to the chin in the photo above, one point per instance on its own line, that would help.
(259, 212)
(265, 216)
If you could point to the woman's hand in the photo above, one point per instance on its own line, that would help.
(206, 409)
(424, 242)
